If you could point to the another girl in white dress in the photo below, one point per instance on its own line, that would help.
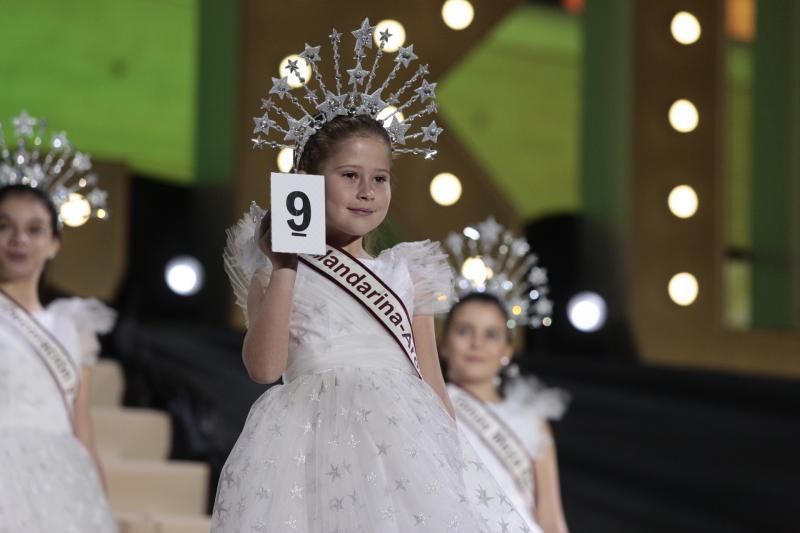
(501, 286)
(50, 478)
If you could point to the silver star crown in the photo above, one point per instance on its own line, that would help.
(363, 98)
(52, 165)
(489, 258)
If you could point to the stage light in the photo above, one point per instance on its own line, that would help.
(397, 35)
(683, 201)
(683, 116)
(457, 14)
(102, 213)
(586, 312)
(184, 275)
(683, 289)
(387, 113)
(305, 70)
(76, 210)
(285, 159)
(685, 28)
(445, 189)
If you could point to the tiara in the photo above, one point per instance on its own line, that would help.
(488, 258)
(364, 97)
(53, 166)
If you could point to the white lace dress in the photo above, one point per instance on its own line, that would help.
(48, 482)
(354, 441)
(526, 405)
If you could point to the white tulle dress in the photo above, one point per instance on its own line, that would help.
(48, 482)
(527, 404)
(353, 441)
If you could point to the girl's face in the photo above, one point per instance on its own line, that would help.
(357, 187)
(27, 241)
(476, 343)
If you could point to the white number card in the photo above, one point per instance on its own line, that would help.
(298, 213)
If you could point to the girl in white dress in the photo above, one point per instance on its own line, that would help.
(360, 437)
(506, 422)
(50, 478)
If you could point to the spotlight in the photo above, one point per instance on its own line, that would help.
(445, 189)
(685, 28)
(683, 289)
(184, 275)
(587, 311)
(285, 159)
(305, 70)
(683, 201)
(76, 210)
(683, 116)
(457, 14)
(397, 35)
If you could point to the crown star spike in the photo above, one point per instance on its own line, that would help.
(263, 124)
(480, 257)
(363, 36)
(431, 132)
(397, 131)
(51, 165)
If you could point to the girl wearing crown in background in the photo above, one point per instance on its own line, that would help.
(504, 416)
(51, 477)
(360, 437)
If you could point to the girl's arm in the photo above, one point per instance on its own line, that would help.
(266, 344)
(549, 512)
(83, 420)
(428, 358)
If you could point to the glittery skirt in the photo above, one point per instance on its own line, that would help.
(356, 450)
(48, 483)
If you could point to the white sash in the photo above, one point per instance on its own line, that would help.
(370, 291)
(496, 435)
(61, 366)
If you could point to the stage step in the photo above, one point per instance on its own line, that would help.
(157, 486)
(131, 433)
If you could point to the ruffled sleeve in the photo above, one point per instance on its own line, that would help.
(535, 402)
(91, 318)
(242, 257)
(431, 275)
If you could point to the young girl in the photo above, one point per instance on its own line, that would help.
(506, 425)
(51, 478)
(360, 437)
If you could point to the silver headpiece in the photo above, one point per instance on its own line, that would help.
(489, 258)
(54, 166)
(362, 98)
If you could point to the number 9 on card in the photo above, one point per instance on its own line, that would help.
(297, 213)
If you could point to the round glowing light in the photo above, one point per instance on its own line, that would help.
(547, 321)
(76, 210)
(102, 213)
(286, 159)
(685, 28)
(683, 116)
(683, 201)
(458, 14)
(474, 269)
(683, 289)
(397, 35)
(445, 189)
(471, 233)
(586, 312)
(516, 310)
(304, 71)
(387, 113)
(184, 275)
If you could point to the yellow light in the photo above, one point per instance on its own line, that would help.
(683, 201)
(474, 270)
(547, 321)
(685, 28)
(683, 289)
(683, 116)
(387, 113)
(397, 37)
(517, 310)
(102, 213)
(76, 210)
(445, 189)
(285, 159)
(457, 14)
(305, 70)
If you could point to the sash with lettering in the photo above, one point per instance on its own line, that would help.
(61, 366)
(370, 291)
(495, 435)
